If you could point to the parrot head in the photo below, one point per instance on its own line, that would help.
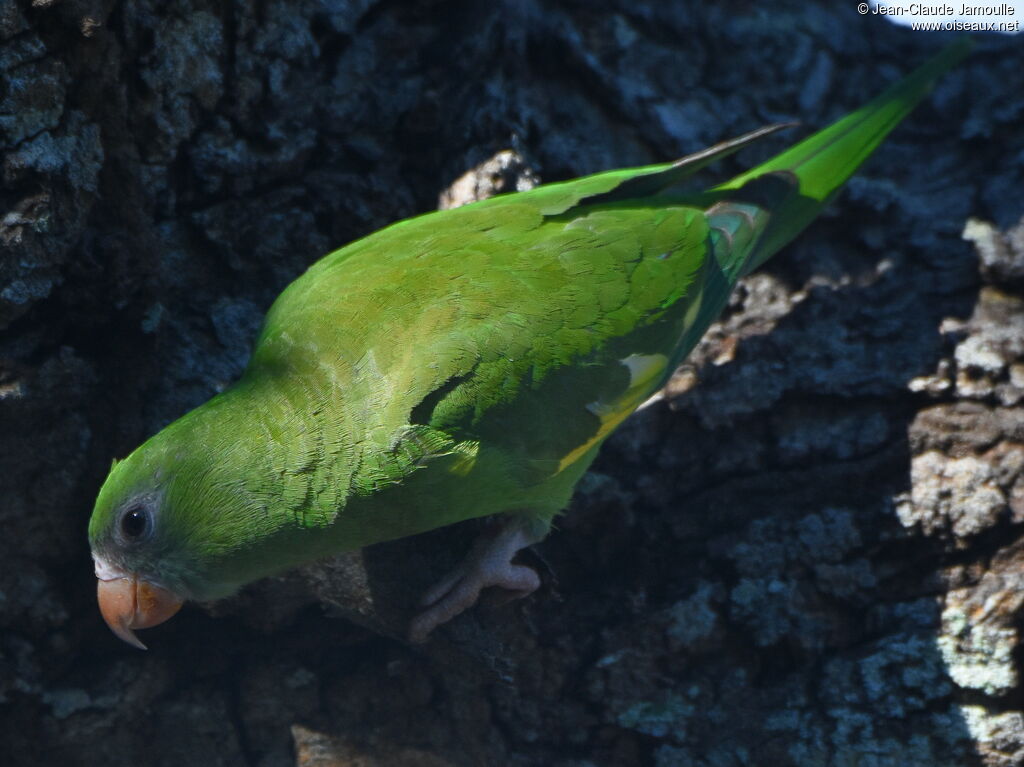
(130, 540)
(172, 524)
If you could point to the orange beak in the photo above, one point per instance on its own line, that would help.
(128, 603)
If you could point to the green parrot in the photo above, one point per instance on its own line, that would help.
(463, 363)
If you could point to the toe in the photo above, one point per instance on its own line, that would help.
(437, 592)
(521, 580)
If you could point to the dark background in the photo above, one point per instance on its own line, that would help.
(809, 553)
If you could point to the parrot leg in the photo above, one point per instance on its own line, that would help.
(489, 563)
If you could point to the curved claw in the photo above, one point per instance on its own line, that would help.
(128, 603)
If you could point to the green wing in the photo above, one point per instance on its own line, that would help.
(498, 324)
(528, 325)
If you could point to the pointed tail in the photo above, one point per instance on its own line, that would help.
(793, 186)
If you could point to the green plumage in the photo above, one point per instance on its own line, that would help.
(464, 363)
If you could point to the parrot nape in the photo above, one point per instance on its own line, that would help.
(460, 364)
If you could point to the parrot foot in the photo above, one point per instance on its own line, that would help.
(489, 563)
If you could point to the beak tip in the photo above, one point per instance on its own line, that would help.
(128, 636)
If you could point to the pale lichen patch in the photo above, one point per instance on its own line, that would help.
(959, 495)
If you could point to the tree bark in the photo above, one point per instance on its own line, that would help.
(806, 552)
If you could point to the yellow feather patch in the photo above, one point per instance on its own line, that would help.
(465, 459)
(644, 371)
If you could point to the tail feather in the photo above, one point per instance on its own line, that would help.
(819, 165)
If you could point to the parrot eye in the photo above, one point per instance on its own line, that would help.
(135, 523)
